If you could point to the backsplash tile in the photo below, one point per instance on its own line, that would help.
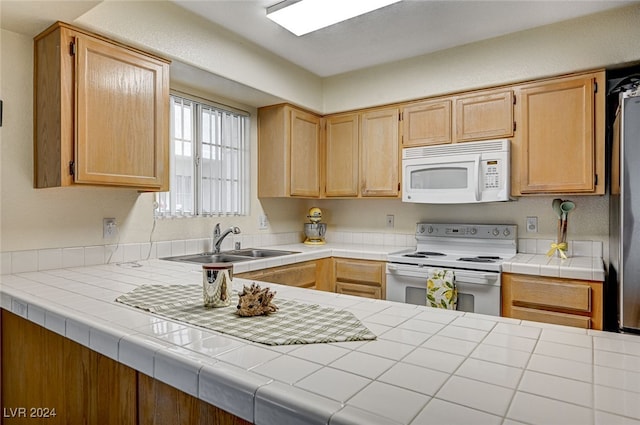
(576, 248)
(56, 258)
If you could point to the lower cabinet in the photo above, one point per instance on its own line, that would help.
(58, 381)
(308, 274)
(362, 278)
(560, 301)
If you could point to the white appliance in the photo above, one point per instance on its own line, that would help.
(474, 252)
(460, 173)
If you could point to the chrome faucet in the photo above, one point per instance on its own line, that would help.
(219, 237)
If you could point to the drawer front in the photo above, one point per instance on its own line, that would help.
(359, 271)
(366, 291)
(552, 294)
(303, 275)
(524, 313)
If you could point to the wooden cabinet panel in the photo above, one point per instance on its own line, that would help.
(427, 123)
(559, 146)
(43, 369)
(553, 300)
(161, 404)
(305, 154)
(288, 152)
(380, 153)
(341, 155)
(359, 290)
(101, 112)
(360, 277)
(545, 316)
(303, 275)
(484, 116)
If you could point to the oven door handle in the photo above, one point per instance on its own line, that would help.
(490, 278)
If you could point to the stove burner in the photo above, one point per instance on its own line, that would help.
(480, 259)
(423, 254)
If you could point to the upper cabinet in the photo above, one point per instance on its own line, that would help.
(427, 123)
(342, 155)
(380, 153)
(101, 112)
(484, 115)
(481, 115)
(559, 145)
(288, 152)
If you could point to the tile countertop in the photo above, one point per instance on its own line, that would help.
(426, 366)
(583, 268)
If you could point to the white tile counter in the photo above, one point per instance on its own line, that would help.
(579, 267)
(427, 366)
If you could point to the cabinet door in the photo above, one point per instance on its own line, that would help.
(122, 119)
(484, 116)
(341, 160)
(427, 123)
(559, 146)
(568, 302)
(302, 275)
(305, 154)
(380, 153)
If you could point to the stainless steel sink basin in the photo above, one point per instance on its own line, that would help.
(208, 257)
(260, 253)
(234, 256)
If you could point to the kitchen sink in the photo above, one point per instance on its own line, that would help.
(208, 257)
(260, 253)
(234, 256)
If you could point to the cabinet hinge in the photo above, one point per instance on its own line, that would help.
(72, 168)
(398, 186)
(595, 87)
(514, 126)
(514, 99)
(596, 180)
(72, 48)
(399, 116)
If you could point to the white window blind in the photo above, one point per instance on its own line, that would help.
(209, 161)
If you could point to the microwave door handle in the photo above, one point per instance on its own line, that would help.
(479, 179)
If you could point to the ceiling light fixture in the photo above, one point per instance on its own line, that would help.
(305, 16)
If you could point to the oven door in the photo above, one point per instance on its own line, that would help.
(478, 291)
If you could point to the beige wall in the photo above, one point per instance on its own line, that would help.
(45, 218)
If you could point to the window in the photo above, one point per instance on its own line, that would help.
(209, 161)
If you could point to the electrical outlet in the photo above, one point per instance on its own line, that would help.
(390, 219)
(532, 224)
(109, 228)
(263, 222)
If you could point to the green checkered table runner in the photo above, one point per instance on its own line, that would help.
(293, 323)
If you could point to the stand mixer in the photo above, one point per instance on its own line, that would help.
(315, 230)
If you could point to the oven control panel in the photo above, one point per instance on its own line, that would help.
(475, 231)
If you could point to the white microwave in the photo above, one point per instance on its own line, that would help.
(461, 173)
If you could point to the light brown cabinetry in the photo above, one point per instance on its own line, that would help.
(101, 112)
(288, 152)
(342, 155)
(427, 123)
(484, 115)
(42, 369)
(362, 278)
(380, 153)
(559, 145)
(479, 115)
(308, 274)
(567, 302)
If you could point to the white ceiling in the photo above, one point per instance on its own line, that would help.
(403, 30)
(406, 29)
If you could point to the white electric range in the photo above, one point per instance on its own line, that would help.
(474, 252)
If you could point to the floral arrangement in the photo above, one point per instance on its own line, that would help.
(562, 209)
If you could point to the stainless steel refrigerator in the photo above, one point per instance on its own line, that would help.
(624, 244)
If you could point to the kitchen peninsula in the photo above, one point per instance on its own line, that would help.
(425, 366)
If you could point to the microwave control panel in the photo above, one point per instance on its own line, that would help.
(491, 171)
